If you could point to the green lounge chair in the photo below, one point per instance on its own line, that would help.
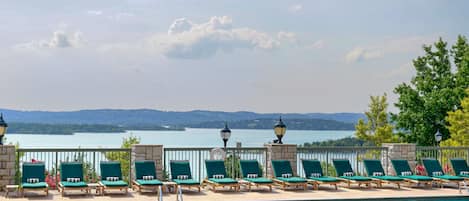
(403, 170)
(460, 168)
(433, 169)
(375, 170)
(217, 177)
(111, 177)
(71, 177)
(145, 177)
(182, 176)
(36, 172)
(251, 173)
(283, 175)
(345, 173)
(315, 176)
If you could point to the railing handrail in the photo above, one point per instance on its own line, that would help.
(210, 148)
(71, 149)
(342, 147)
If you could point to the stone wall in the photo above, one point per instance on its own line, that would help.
(7, 165)
(280, 152)
(399, 151)
(149, 152)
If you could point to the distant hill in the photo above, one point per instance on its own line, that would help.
(139, 117)
(294, 124)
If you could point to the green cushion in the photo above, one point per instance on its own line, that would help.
(356, 178)
(249, 167)
(153, 182)
(34, 185)
(73, 184)
(145, 168)
(110, 169)
(180, 168)
(417, 178)
(259, 180)
(71, 170)
(401, 166)
(431, 165)
(373, 166)
(449, 177)
(281, 167)
(459, 165)
(186, 181)
(324, 179)
(33, 170)
(342, 166)
(312, 166)
(215, 167)
(292, 179)
(388, 178)
(114, 183)
(223, 181)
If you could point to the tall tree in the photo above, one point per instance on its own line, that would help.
(438, 87)
(459, 125)
(377, 128)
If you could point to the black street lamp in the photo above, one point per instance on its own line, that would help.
(438, 137)
(3, 128)
(225, 134)
(280, 128)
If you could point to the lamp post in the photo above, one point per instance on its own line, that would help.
(438, 137)
(225, 134)
(280, 128)
(3, 128)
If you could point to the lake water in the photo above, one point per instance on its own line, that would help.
(189, 138)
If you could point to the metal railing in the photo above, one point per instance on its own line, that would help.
(90, 158)
(354, 154)
(443, 154)
(197, 157)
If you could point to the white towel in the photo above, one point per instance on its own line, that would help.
(286, 175)
(218, 176)
(183, 177)
(348, 174)
(377, 174)
(251, 175)
(316, 175)
(406, 173)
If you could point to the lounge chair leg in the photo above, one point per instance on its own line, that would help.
(398, 186)
(335, 186)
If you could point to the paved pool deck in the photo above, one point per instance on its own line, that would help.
(258, 195)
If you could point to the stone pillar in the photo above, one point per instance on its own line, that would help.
(7, 165)
(280, 152)
(148, 152)
(399, 151)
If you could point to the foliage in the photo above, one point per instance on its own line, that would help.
(35, 128)
(442, 75)
(233, 168)
(348, 141)
(376, 129)
(124, 157)
(18, 173)
(294, 124)
(459, 125)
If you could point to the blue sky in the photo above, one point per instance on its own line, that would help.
(263, 56)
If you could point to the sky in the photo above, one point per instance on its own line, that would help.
(224, 55)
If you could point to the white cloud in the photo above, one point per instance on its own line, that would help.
(59, 39)
(359, 54)
(120, 16)
(388, 47)
(188, 40)
(295, 8)
(94, 12)
(288, 36)
(318, 44)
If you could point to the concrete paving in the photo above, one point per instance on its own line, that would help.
(259, 195)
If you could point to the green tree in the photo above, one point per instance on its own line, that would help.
(442, 75)
(124, 157)
(459, 125)
(377, 128)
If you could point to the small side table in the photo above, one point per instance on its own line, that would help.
(170, 186)
(97, 187)
(12, 188)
